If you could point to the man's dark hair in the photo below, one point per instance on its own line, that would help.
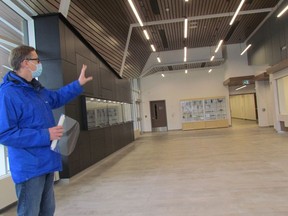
(18, 55)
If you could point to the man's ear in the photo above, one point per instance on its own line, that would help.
(24, 64)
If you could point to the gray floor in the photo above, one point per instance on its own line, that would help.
(241, 170)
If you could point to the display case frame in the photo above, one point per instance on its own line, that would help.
(99, 113)
(201, 113)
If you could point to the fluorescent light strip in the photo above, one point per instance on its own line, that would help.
(186, 71)
(158, 59)
(219, 45)
(162, 75)
(153, 48)
(146, 34)
(212, 58)
(8, 43)
(11, 26)
(135, 12)
(246, 49)
(185, 27)
(185, 54)
(237, 11)
(244, 86)
(210, 71)
(7, 67)
(5, 48)
(283, 11)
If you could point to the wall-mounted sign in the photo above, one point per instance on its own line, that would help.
(245, 82)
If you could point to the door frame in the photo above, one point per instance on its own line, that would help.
(158, 129)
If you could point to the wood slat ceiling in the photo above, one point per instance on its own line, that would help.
(105, 24)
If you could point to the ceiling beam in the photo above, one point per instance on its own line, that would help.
(179, 64)
(210, 16)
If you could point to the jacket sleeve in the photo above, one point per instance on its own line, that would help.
(64, 95)
(12, 135)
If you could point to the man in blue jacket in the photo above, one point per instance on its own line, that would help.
(27, 128)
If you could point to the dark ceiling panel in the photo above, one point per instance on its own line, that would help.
(105, 24)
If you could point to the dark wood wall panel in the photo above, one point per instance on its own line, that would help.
(271, 37)
(64, 52)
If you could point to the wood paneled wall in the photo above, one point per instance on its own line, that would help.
(269, 42)
(63, 51)
(243, 106)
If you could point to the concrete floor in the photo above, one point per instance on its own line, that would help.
(242, 170)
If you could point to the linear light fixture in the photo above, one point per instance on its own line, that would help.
(5, 48)
(11, 26)
(8, 43)
(219, 45)
(283, 11)
(186, 71)
(212, 58)
(210, 71)
(237, 11)
(185, 54)
(186, 0)
(244, 86)
(162, 75)
(246, 49)
(158, 59)
(185, 27)
(7, 67)
(135, 12)
(153, 48)
(146, 34)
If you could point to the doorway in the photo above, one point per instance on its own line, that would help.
(158, 115)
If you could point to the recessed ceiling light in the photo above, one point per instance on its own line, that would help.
(246, 49)
(153, 48)
(185, 54)
(162, 75)
(135, 12)
(283, 11)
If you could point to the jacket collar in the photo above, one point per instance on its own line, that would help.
(13, 79)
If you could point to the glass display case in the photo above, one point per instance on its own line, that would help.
(204, 113)
(192, 110)
(103, 113)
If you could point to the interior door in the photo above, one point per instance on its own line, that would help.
(158, 115)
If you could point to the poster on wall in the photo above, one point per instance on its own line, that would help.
(207, 109)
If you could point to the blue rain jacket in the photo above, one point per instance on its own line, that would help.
(25, 116)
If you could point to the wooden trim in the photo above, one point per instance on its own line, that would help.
(262, 77)
(234, 81)
(278, 67)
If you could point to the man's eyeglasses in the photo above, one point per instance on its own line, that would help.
(34, 59)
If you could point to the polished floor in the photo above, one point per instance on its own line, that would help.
(242, 170)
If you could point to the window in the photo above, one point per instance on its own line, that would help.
(282, 86)
(13, 32)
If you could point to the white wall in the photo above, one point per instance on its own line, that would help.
(236, 65)
(264, 103)
(176, 57)
(176, 86)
